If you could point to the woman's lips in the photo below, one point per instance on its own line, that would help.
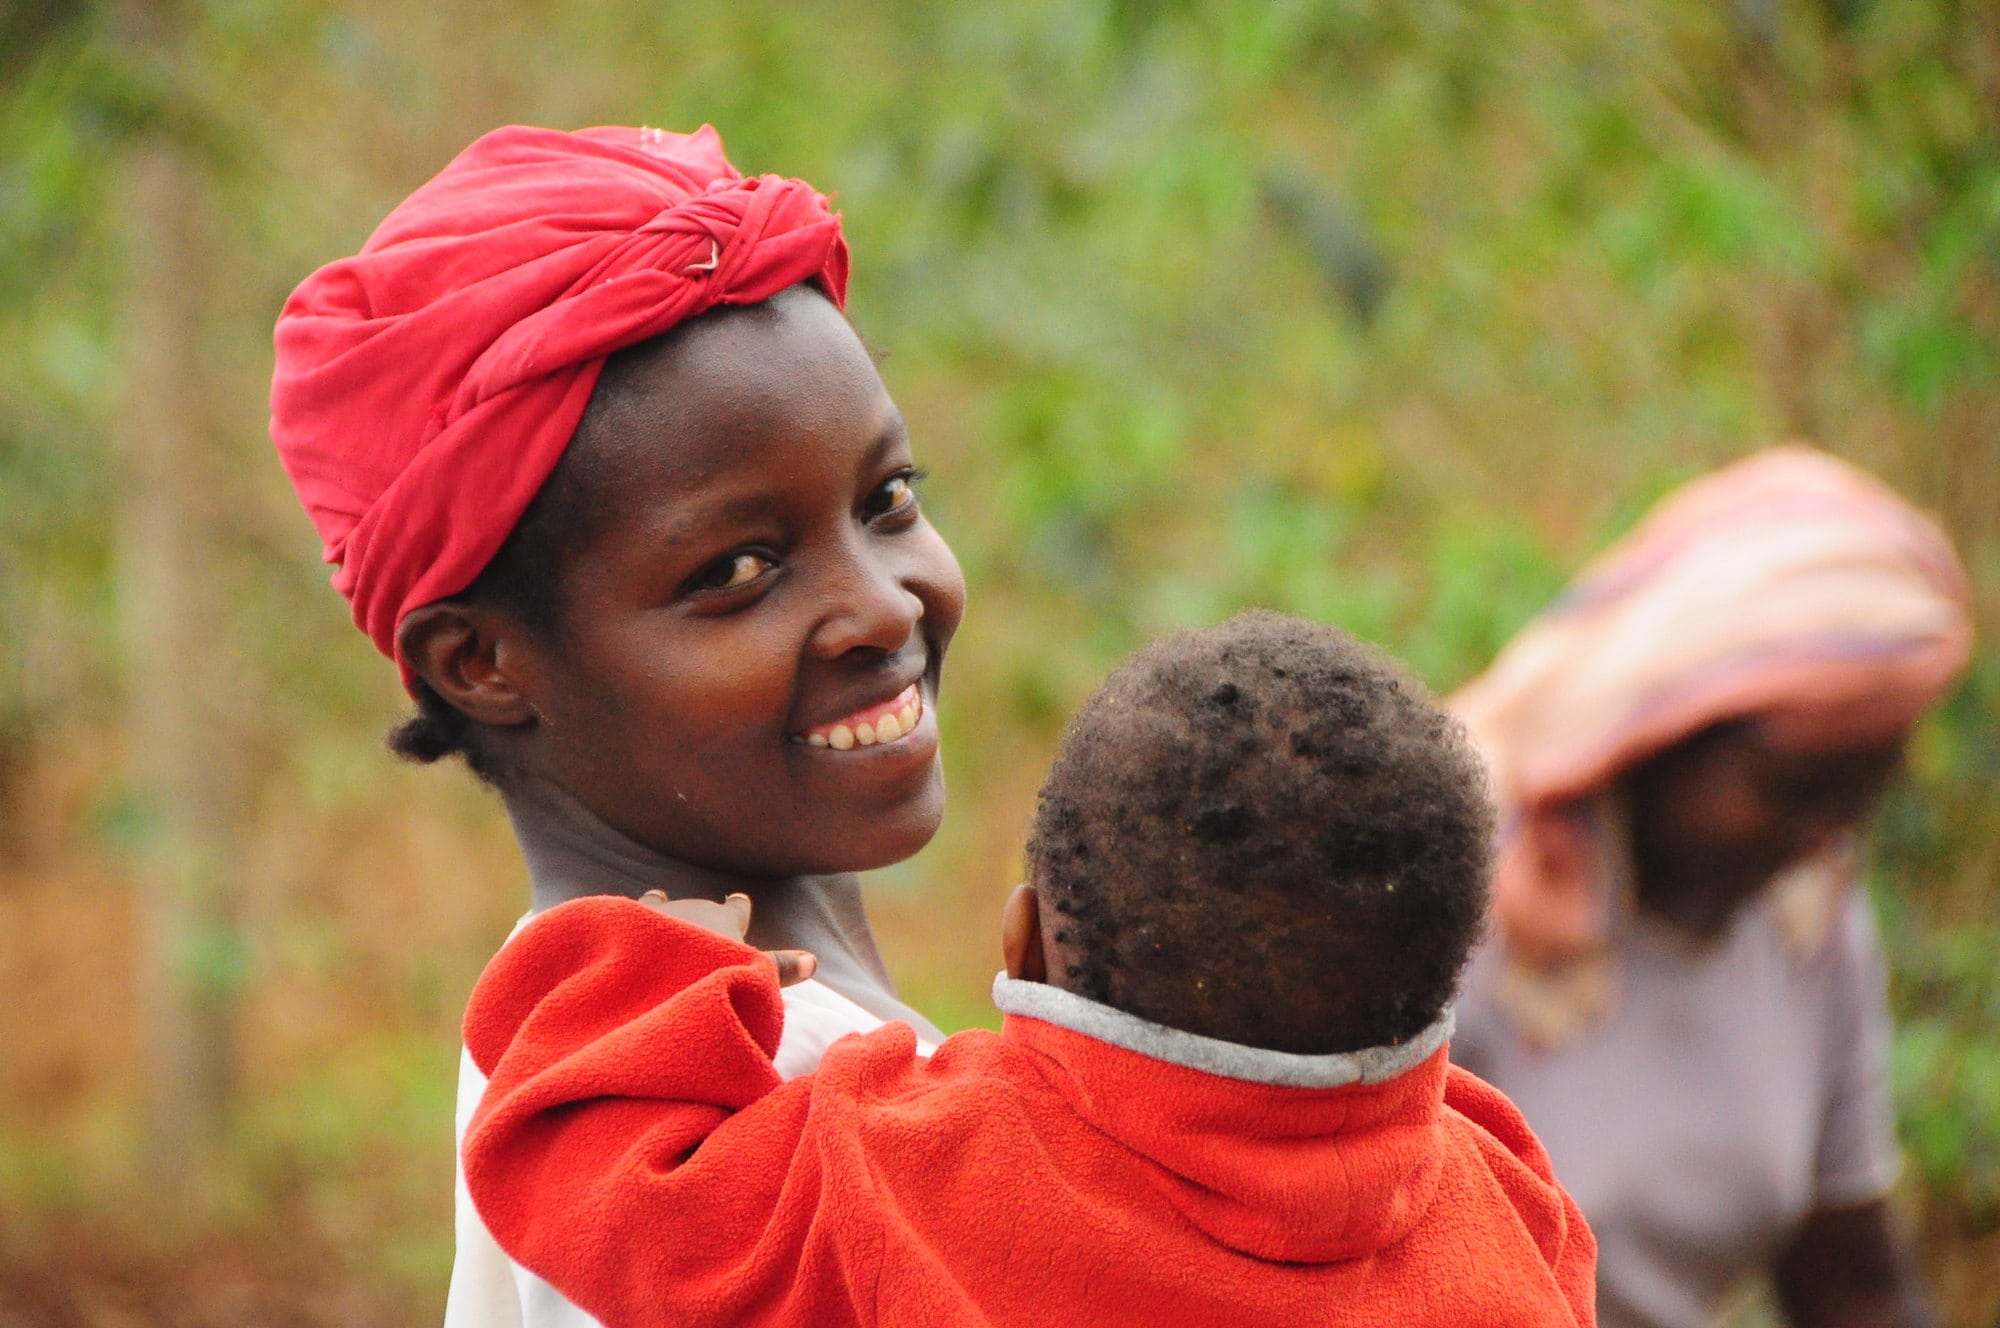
(870, 726)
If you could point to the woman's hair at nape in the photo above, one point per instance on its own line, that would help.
(1264, 832)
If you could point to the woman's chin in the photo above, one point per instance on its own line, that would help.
(867, 840)
(897, 835)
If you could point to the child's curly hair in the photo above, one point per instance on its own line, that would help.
(1264, 832)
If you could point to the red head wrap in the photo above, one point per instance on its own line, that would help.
(426, 387)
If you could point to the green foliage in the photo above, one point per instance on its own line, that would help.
(1950, 1076)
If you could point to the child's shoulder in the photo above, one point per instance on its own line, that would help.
(1486, 1117)
(974, 1079)
(878, 1088)
(1488, 1134)
(888, 1065)
(915, 1131)
(1498, 1157)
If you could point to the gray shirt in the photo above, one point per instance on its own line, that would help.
(1734, 1088)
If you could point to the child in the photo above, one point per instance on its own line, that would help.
(608, 475)
(1220, 1096)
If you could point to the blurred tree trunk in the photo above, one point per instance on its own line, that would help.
(176, 664)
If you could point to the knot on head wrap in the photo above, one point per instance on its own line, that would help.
(1789, 586)
(426, 386)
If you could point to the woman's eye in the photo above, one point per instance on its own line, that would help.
(738, 569)
(897, 493)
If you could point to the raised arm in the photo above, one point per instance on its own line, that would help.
(616, 1151)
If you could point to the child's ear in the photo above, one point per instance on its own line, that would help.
(466, 653)
(1021, 936)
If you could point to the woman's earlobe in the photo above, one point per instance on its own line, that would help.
(1021, 936)
(460, 651)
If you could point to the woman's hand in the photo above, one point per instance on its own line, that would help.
(1849, 1268)
(731, 918)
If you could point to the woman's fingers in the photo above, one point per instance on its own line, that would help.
(729, 918)
(793, 965)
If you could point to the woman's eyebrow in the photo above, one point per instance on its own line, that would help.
(895, 433)
(689, 522)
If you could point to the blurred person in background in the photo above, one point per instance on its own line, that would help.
(607, 473)
(1684, 992)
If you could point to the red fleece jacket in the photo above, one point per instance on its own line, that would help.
(636, 1148)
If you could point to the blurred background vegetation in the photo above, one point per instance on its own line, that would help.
(1380, 312)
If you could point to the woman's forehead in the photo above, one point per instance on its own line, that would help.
(742, 378)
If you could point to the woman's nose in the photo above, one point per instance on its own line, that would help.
(869, 608)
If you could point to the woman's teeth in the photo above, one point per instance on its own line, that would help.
(876, 724)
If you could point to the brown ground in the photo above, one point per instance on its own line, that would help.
(69, 1274)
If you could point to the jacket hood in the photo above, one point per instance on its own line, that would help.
(1295, 1159)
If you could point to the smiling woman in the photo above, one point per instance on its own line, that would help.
(605, 469)
(751, 565)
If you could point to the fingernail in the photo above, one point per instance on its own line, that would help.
(740, 895)
(660, 895)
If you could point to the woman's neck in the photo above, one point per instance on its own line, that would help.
(571, 853)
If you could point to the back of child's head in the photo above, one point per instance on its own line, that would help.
(1264, 832)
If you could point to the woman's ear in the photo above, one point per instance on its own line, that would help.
(1021, 936)
(466, 652)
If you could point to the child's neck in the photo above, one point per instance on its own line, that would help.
(571, 853)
